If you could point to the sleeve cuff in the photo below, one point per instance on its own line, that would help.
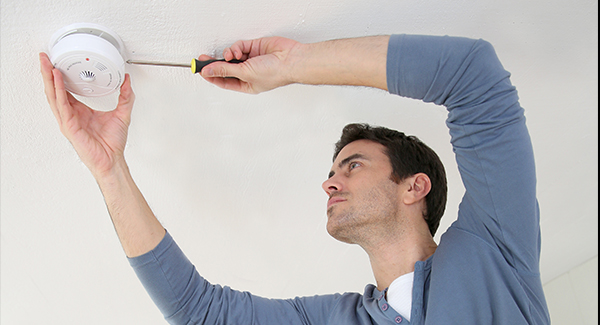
(151, 256)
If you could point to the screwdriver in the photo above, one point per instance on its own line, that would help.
(196, 65)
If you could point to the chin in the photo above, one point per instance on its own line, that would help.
(339, 232)
(343, 239)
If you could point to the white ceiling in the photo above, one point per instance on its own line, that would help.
(236, 178)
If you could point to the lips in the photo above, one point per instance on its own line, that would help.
(335, 199)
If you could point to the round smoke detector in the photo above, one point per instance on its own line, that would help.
(90, 58)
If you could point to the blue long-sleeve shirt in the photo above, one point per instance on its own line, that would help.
(486, 267)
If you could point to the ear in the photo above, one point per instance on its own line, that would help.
(419, 186)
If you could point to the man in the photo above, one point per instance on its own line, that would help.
(386, 191)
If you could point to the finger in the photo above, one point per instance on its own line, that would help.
(228, 54)
(126, 95)
(126, 99)
(241, 50)
(48, 79)
(63, 106)
(224, 70)
(234, 54)
(205, 57)
(46, 70)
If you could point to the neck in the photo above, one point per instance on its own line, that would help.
(391, 259)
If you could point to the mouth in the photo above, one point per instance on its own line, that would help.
(334, 200)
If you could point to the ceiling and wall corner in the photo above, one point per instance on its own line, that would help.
(236, 178)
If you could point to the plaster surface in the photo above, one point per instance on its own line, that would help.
(236, 178)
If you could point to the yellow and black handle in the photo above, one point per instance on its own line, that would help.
(198, 65)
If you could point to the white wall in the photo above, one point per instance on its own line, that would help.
(192, 146)
(573, 297)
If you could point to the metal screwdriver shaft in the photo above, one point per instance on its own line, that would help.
(165, 64)
(196, 65)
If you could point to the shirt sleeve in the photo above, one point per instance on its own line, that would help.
(185, 297)
(488, 134)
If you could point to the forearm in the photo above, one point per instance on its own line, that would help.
(99, 139)
(354, 62)
(137, 228)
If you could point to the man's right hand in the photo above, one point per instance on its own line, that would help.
(273, 62)
(264, 68)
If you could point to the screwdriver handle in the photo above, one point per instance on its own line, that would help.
(198, 65)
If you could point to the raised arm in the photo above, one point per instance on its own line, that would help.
(276, 61)
(99, 139)
(488, 133)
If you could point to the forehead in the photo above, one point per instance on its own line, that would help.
(367, 148)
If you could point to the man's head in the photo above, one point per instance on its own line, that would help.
(408, 156)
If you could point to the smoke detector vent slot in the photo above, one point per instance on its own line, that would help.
(87, 76)
(101, 66)
(90, 57)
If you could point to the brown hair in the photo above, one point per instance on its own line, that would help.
(408, 156)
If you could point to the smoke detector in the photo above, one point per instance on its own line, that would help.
(90, 58)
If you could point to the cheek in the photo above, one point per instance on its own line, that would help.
(381, 199)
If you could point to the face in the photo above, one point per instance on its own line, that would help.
(363, 199)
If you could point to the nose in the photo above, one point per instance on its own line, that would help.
(331, 185)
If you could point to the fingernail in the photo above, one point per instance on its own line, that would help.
(207, 72)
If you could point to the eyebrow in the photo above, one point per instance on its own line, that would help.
(347, 160)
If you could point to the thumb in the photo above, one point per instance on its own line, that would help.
(126, 98)
(224, 70)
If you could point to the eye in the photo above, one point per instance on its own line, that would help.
(353, 165)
